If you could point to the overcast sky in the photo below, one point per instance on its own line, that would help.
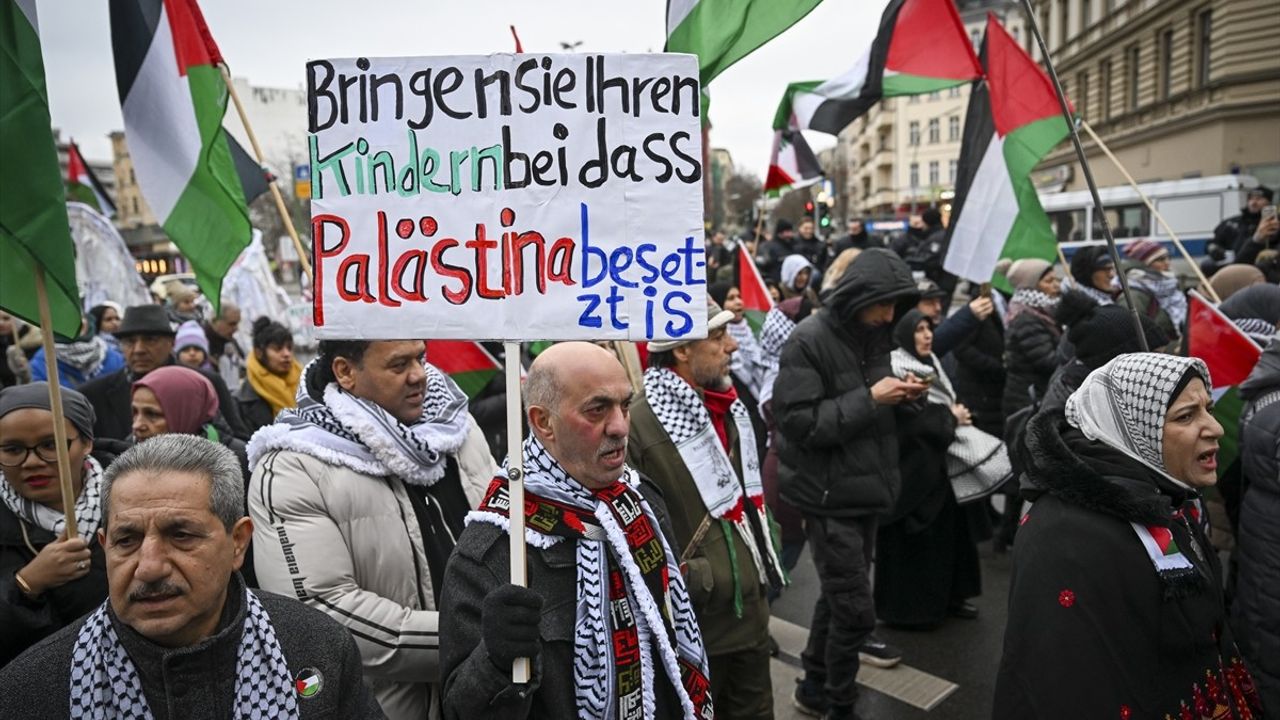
(269, 41)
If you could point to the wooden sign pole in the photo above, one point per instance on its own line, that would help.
(521, 669)
(55, 403)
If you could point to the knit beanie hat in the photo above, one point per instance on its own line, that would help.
(1025, 274)
(1087, 261)
(190, 333)
(1144, 251)
(1102, 332)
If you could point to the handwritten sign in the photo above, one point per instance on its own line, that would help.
(512, 197)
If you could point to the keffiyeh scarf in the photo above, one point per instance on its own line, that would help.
(738, 505)
(940, 390)
(1164, 288)
(88, 505)
(773, 335)
(746, 363)
(1122, 404)
(85, 356)
(1100, 297)
(105, 683)
(631, 596)
(358, 434)
(1031, 298)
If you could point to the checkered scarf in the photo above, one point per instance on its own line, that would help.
(356, 433)
(773, 335)
(630, 593)
(88, 506)
(85, 355)
(1100, 297)
(1164, 288)
(105, 683)
(746, 364)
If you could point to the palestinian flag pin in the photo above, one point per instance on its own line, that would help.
(308, 682)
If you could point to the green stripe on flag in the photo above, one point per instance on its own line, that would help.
(893, 85)
(1032, 234)
(473, 381)
(722, 32)
(755, 318)
(782, 118)
(1227, 410)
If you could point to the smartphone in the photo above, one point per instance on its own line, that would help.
(927, 379)
(984, 290)
(1268, 212)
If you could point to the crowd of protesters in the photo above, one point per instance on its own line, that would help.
(252, 534)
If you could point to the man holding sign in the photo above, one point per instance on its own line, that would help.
(606, 618)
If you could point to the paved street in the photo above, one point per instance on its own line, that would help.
(964, 652)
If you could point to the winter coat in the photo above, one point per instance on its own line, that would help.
(255, 412)
(476, 688)
(1030, 353)
(24, 621)
(814, 250)
(953, 330)
(199, 682)
(925, 430)
(1257, 604)
(979, 375)
(112, 396)
(711, 563)
(70, 376)
(1235, 232)
(837, 448)
(770, 255)
(351, 545)
(1093, 630)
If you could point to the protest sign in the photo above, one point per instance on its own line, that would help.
(507, 197)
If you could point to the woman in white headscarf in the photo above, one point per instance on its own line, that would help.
(1115, 601)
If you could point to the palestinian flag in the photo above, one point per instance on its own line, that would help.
(466, 361)
(722, 32)
(83, 185)
(921, 47)
(1013, 120)
(792, 164)
(755, 294)
(34, 231)
(1230, 355)
(173, 99)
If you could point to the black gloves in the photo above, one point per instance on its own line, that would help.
(509, 624)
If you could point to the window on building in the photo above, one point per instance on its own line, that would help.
(1017, 35)
(913, 99)
(1104, 85)
(913, 133)
(975, 37)
(935, 131)
(1164, 45)
(934, 179)
(1044, 26)
(953, 128)
(915, 175)
(952, 166)
(1086, 14)
(954, 91)
(1203, 54)
(935, 95)
(1082, 94)
(1064, 21)
(1132, 56)
(133, 180)
(882, 141)
(134, 202)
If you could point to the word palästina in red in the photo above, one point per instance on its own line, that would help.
(462, 266)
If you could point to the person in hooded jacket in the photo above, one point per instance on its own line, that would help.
(1115, 599)
(926, 559)
(1154, 286)
(1031, 337)
(80, 359)
(838, 451)
(1255, 310)
(1256, 608)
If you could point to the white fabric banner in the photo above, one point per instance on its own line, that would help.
(507, 197)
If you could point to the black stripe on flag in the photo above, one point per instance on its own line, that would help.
(133, 26)
(832, 116)
(979, 128)
(253, 177)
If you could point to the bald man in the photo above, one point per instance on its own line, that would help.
(602, 572)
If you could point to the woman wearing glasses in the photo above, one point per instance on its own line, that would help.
(46, 580)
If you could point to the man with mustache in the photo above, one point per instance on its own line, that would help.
(693, 436)
(606, 618)
(357, 497)
(180, 635)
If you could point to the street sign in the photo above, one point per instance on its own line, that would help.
(302, 182)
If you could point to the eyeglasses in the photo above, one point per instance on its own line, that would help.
(12, 455)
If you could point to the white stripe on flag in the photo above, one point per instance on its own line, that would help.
(677, 11)
(160, 125)
(845, 87)
(989, 211)
(28, 8)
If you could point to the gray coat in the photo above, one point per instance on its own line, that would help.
(199, 682)
(476, 688)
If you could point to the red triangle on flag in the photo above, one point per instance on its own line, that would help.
(75, 163)
(1212, 337)
(466, 361)
(192, 42)
(929, 40)
(1021, 92)
(755, 294)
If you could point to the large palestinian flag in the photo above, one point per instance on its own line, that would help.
(755, 294)
(792, 164)
(83, 185)
(1013, 120)
(722, 32)
(173, 98)
(1230, 355)
(466, 361)
(33, 211)
(921, 47)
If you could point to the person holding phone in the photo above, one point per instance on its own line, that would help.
(1255, 229)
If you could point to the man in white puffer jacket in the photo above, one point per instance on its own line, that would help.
(357, 497)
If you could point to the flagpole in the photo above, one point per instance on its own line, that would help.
(1099, 211)
(275, 191)
(55, 404)
(1204, 281)
(521, 670)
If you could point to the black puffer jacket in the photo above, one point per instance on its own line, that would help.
(1256, 606)
(838, 449)
(1031, 356)
(980, 376)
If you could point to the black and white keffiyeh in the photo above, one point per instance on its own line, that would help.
(85, 355)
(746, 363)
(1032, 298)
(1164, 288)
(667, 622)
(684, 417)
(940, 390)
(105, 683)
(356, 433)
(88, 505)
(773, 335)
(1100, 297)
(1123, 404)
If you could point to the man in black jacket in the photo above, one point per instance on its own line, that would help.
(180, 636)
(839, 462)
(772, 252)
(146, 339)
(1248, 233)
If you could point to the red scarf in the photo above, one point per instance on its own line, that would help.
(718, 403)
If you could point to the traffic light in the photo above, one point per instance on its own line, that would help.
(808, 208)
(824, 215)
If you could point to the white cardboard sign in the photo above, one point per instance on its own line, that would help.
(511, 197)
